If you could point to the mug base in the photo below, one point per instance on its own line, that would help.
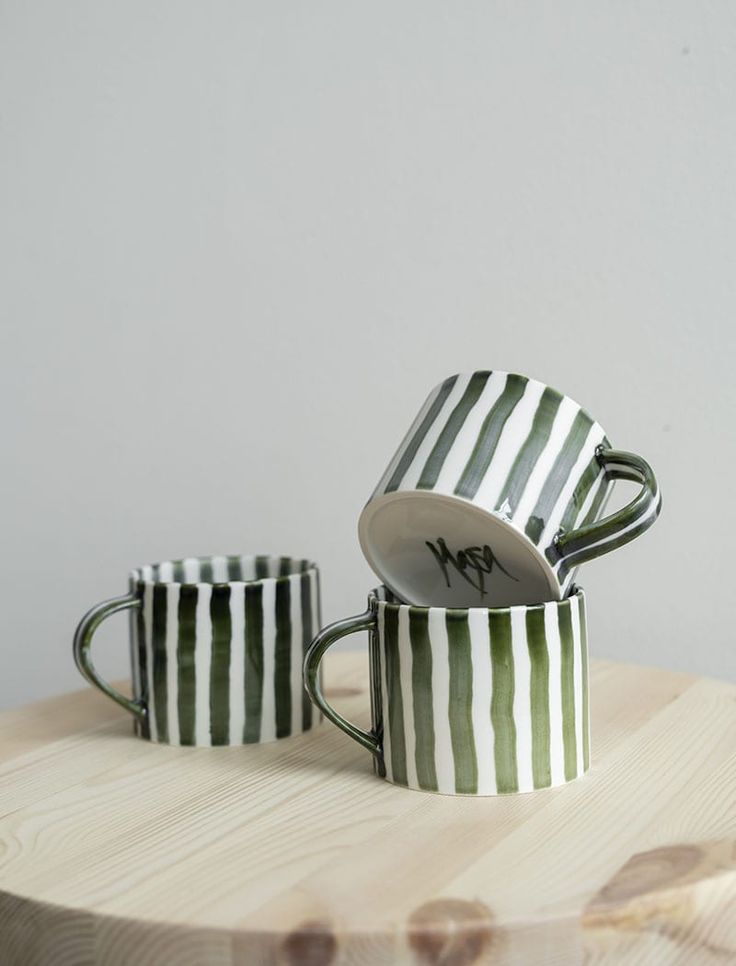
(201, 743)
(485, 793)
(431, 549)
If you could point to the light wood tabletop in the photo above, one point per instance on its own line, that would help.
(117, 851)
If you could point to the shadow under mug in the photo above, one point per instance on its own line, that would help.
(217, 646)
(473, 701)
(496, 496)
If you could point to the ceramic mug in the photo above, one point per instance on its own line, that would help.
(472, 701)
(217, 645)
(496, 494)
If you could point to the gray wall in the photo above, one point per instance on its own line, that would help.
(240, 241)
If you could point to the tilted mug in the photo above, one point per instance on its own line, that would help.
(470, 701)
(496, 496)
(217, 646)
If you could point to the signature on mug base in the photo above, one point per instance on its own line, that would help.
(486, 563)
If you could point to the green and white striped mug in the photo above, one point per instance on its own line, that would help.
(475, 701)
(217, 646)
(495, 496)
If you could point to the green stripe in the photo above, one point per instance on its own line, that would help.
(187, 621)
(262, 567)
(490, 433)
(567, 687)
(253, 672)
(395, 699)
(143, 670)
(528, 455)
(205, 570)
(282, 659)
(421, 686)
(220, 665)
(584, 661)
(377, 715)
(583, 488)
(452, 427)
(416, 441)
(596, 509)
(558, 476)
(502, 702)
(285, 566)
(158, 646)
(461, 705)
(539, 695)
(317, 618)
(234, 568)
(598, 501)
(178, 571)
(308, 631)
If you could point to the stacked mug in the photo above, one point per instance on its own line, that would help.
(477, 633)
(478, 637)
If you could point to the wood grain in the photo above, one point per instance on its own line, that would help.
(114, 850)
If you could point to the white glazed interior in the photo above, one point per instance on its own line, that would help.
(222, 569)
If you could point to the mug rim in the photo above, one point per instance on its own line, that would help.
(576, 592)
(301, 567)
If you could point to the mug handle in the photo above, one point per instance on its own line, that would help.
(618, 528)
(82, 650)
(316, 651)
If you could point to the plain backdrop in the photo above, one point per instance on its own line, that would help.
(240, 241)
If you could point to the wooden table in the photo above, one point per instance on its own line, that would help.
(117, 851)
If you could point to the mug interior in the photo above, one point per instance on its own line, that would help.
(222, 569)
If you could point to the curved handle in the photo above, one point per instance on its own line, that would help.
(626, 524)
(326, 638)
(83, 643)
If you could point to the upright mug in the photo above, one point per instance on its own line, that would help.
(476, 701)
(217, 645)
(496, 494)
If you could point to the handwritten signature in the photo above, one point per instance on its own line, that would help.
(473, 564)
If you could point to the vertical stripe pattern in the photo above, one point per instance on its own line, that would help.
(481, 701)
(218, 646)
